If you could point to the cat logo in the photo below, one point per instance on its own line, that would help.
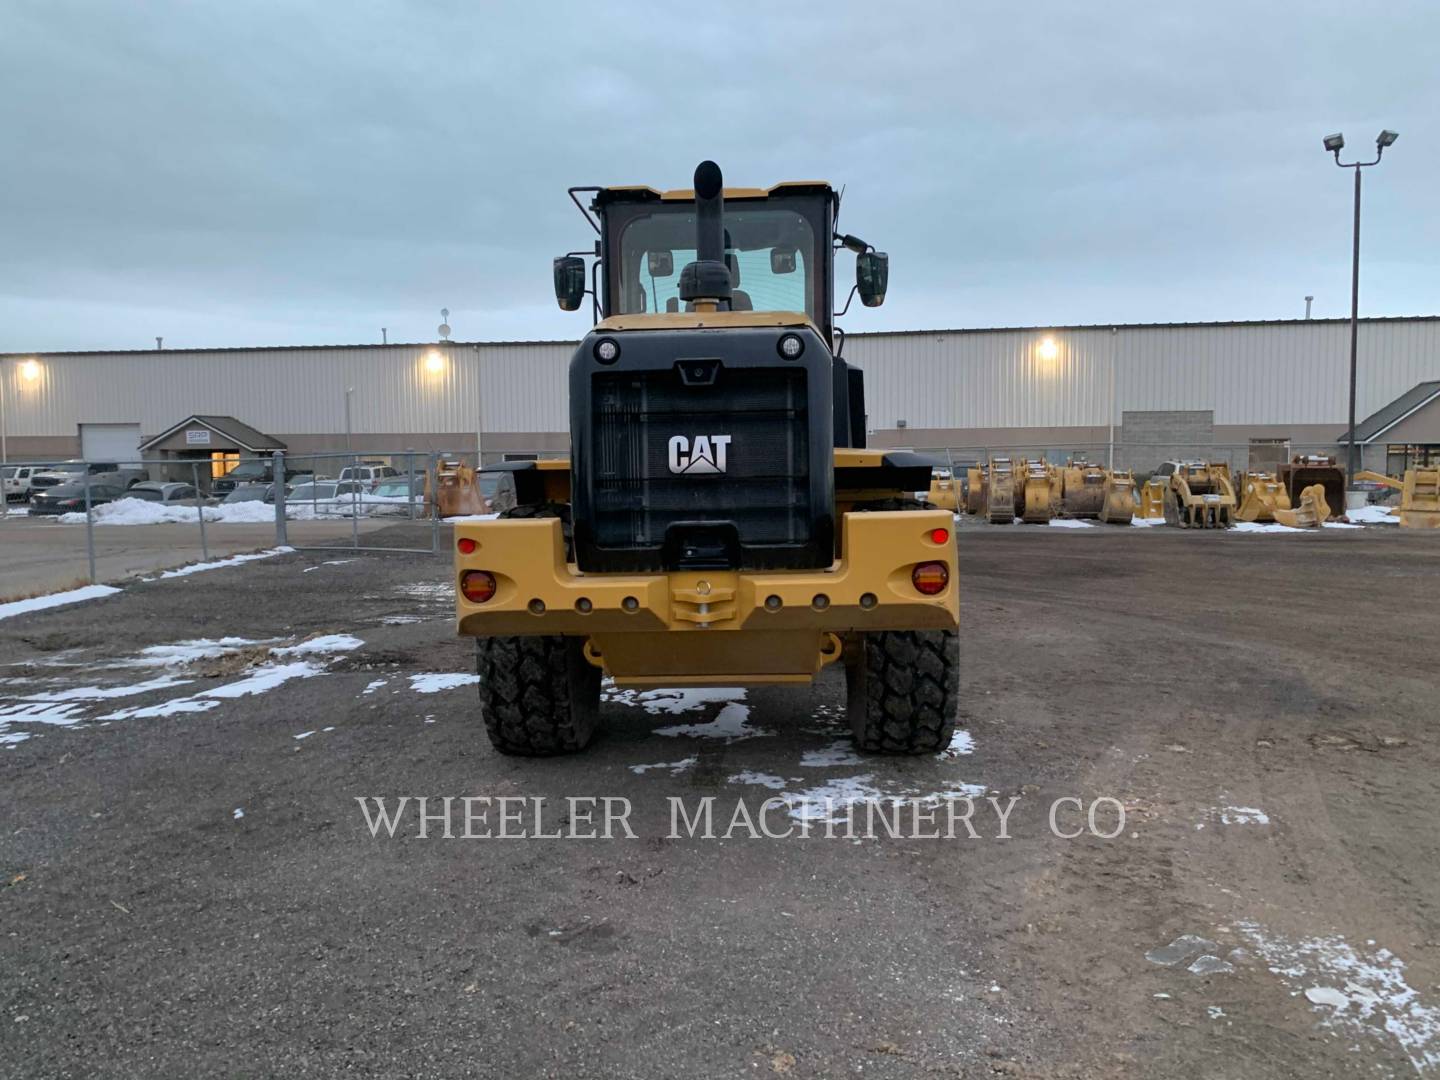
(705, 454)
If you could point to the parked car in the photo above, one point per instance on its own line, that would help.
(326, 495)
(250, 493)
(171, 494)
(252, 471)
(370, 474)
(15, 479)
(68, 498)
(49, 476)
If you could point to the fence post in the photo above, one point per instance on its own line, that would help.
(354, 503)
(433, 486)
(89, 526)
(277, 476)
(199, 508)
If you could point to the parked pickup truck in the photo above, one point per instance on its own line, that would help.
(120, 476)
(15, 479)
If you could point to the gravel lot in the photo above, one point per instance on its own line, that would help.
(189, 887)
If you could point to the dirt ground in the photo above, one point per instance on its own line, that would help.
(197, 892)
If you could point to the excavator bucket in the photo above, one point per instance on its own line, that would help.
(999, 504)
(1310, 514)
(974, 489)
(943, 495)
(1118, 505)
(453, 490)
(1420, 499)
(1200, 496)
(1083, 488)
(1262, 498)
(1040, 493)
(1305, 470)
(1152, 499)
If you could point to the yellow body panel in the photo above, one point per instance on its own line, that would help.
(701, 320)
(671, 627)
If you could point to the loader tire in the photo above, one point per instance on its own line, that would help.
(539, 696)
(903, 690)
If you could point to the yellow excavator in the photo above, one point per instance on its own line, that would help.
(1093, 491)
(1419, 495)
(1198, 494)
(1263, 498)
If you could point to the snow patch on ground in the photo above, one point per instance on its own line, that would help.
(374, 685)
(40, 603)
(239, 813)
(442, 593)
(759, 779)
(960, 743)
(832, 800)
(675, 768)
(100, 693)
(671, 702)
(328, 562)
(327, 643)
(142, 512)
(840, 752)
(173, 707)
(1263, 527)
(62, 714)
(1354, 990)
(218, 564)
(179, 653)
(262, 680)
(1372, 515)
(1070, 523)
(432, 682)
(1144, 523)
(1242, 815)
(731, 724)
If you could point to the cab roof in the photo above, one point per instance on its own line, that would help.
(642, 193)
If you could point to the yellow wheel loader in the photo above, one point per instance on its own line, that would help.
(943, 494)
(1419, 495)
(1263, 498)
(1039, 496)
(998, 505)
(1198, 495)
(720, 521)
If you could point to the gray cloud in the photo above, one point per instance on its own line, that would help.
(240, 174)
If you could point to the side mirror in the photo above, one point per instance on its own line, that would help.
(569, 282)
(872, 277)
(660, 263)
(782, 260)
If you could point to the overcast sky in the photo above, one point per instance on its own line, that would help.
(254, 174)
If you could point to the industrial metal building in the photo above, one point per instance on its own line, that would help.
(1149, 392)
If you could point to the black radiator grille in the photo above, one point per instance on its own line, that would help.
(764, 489)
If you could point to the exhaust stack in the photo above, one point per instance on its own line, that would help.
(706, 281)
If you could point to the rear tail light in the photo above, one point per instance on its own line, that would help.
(930, 578)
(477, 586)
(466, 546)
(939, 536)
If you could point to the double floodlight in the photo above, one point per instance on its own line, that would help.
(1335, 143)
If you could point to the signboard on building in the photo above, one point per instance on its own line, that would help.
(197, 437)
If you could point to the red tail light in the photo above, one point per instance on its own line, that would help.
(939, 536)
(930, 578)
(466, 546)
(477, 586)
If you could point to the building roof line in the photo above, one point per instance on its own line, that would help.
(572, 342)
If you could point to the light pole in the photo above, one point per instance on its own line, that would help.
(1334, 144)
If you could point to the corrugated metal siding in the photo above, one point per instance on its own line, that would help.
(298, 391)
(1283, 373)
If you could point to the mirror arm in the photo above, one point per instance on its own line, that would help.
(580, 206)
(841, 313)
(840, 348)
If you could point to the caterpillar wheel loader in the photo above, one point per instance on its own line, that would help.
(1039, 492)
(720, 521)
(1307, 470)
(1264, 498)
(1198, 495)
(1419, 495)
(1000, 501)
